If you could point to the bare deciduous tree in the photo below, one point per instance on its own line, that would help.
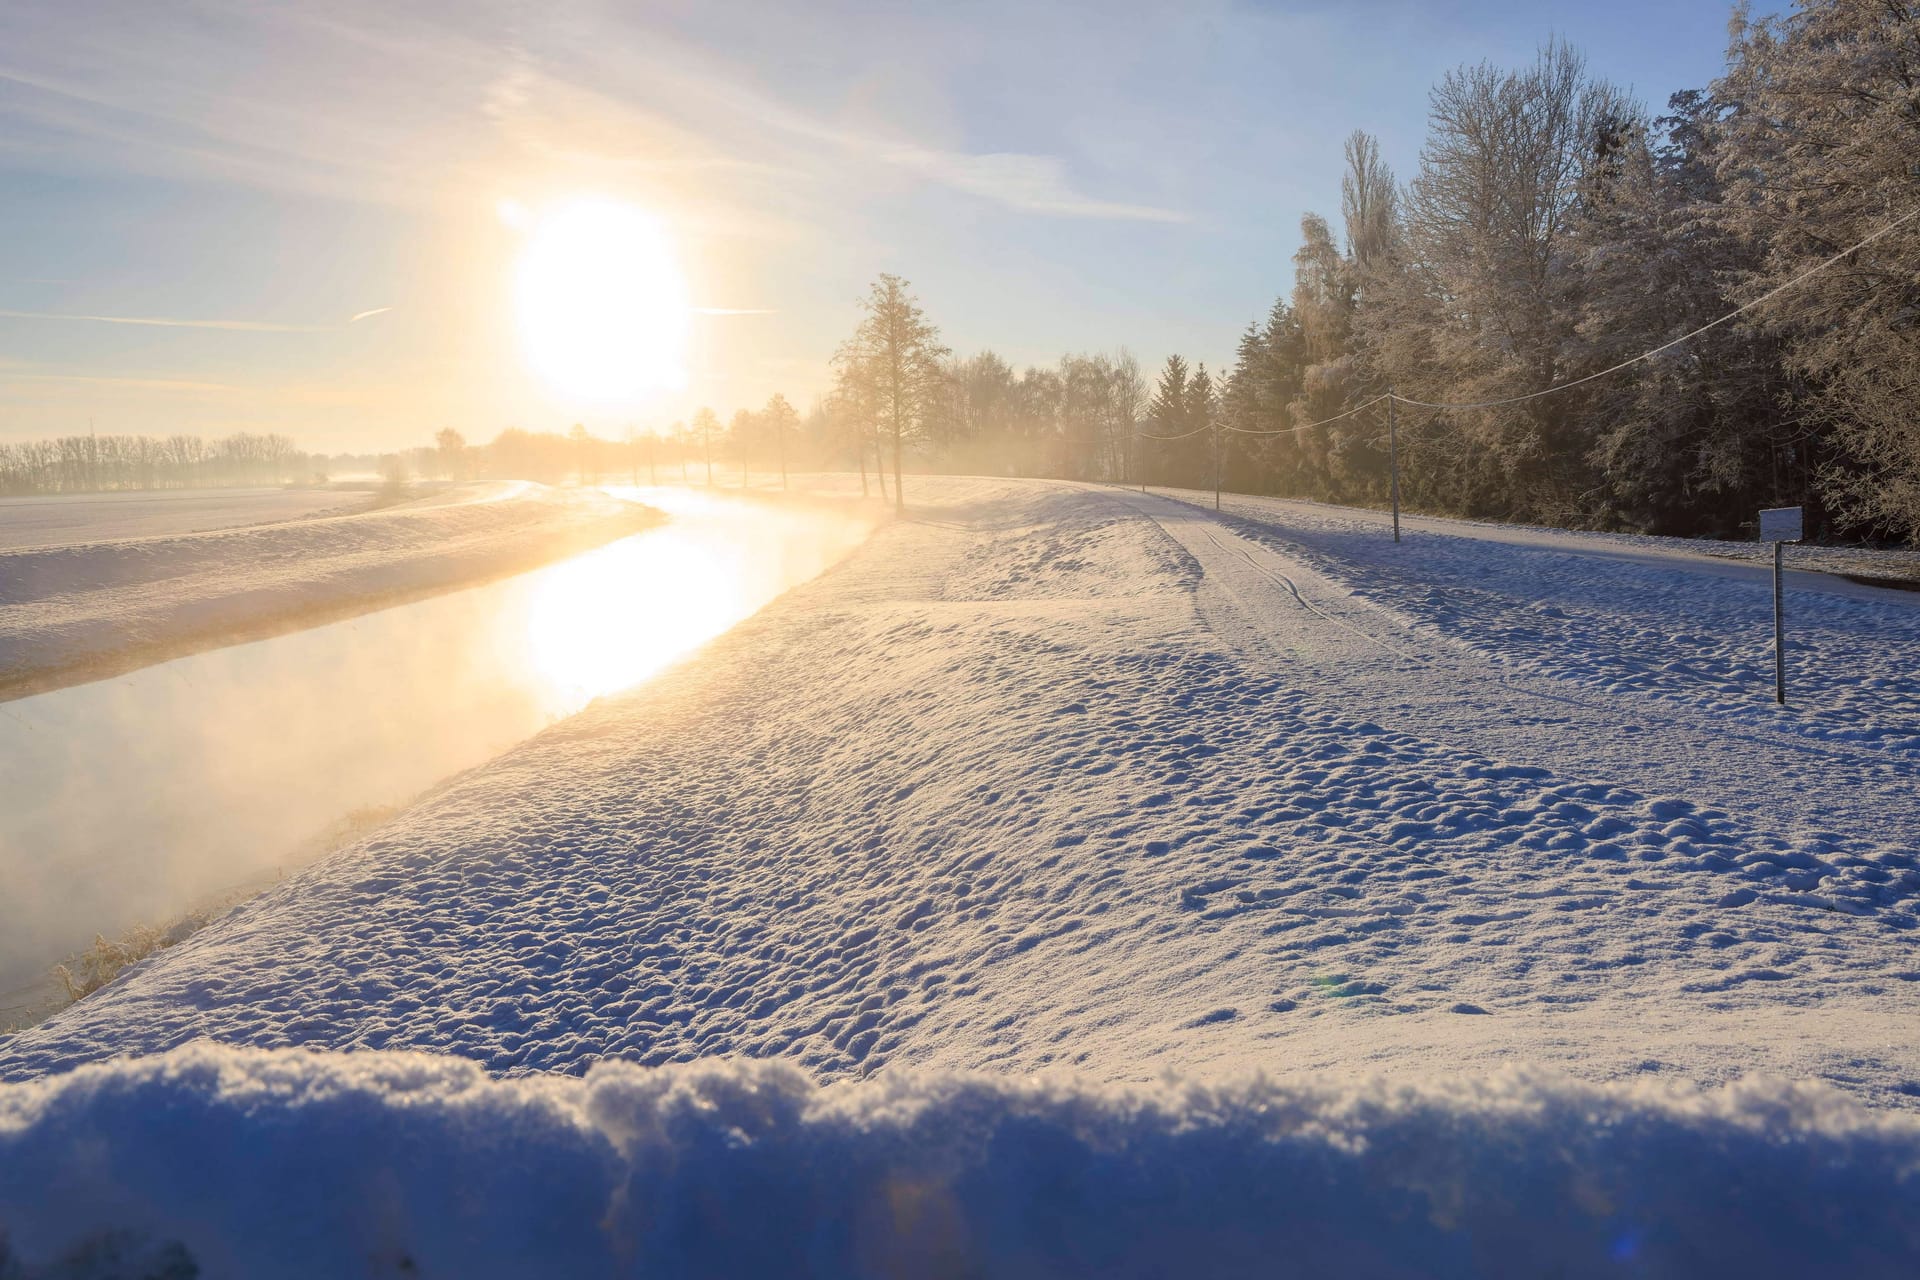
(890, 371)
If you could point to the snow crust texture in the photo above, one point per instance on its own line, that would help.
(229, 1163)
(87, 610)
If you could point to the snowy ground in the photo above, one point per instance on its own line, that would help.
(61, 519)
(1048, 779)
(84, 611)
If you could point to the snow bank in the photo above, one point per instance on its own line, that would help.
(252, 1163)
(69, 614)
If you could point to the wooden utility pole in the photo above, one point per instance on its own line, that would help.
(1216, 466)
(1393, 462)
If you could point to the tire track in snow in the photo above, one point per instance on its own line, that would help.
(1307, 604)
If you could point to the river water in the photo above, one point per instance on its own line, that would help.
(130, 800)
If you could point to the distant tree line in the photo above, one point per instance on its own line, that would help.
(766, 443)
(94, 463)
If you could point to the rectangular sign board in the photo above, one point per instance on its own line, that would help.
(1780, 524)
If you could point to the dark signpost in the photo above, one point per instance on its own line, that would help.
(1779, 525)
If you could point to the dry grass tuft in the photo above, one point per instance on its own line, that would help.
(107, 958)
(101, 963)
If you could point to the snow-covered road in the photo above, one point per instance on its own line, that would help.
(1651, 673)
(1053, 777)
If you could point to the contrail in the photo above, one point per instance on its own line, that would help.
(376, 311)
(245, 326)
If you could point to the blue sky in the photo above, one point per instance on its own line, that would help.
(1050, 177)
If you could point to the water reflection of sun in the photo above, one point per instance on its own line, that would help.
(593, 629)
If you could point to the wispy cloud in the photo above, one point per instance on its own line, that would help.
(491, 101)
(167, 322)
(1029, 183)
(1033, 184)
(371, 311)
(733, 311)
(129, 383)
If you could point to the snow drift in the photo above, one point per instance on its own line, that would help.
(246, 1163)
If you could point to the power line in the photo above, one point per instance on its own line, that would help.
(1284, 431)
(1770, 294)
(1196, 431)
(1392, 397)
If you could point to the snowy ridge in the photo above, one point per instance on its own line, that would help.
(88, 610)
(247, 1163)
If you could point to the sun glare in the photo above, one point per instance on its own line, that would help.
(601, 303)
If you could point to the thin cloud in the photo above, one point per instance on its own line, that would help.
(375, 311)
(733, 311)
(138, 384)
(1034, 184)
(1029, 183)
(164, 322)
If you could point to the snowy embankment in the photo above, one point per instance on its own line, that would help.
(59, 519)
(1079, 781)
(85, 611)
(227, 1163)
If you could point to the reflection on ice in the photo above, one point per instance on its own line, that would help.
(126, 800)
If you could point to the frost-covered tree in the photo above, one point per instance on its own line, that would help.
(1819, 148)
(890, 370)
(1486, 306)
(1699, 436)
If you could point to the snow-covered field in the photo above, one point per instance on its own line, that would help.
(1202, 822)
(61, 519)
(86, 610)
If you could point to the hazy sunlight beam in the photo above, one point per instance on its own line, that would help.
(601, 303)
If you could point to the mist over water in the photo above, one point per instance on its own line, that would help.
(126, 801)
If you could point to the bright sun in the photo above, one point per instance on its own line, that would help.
(601, 302)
